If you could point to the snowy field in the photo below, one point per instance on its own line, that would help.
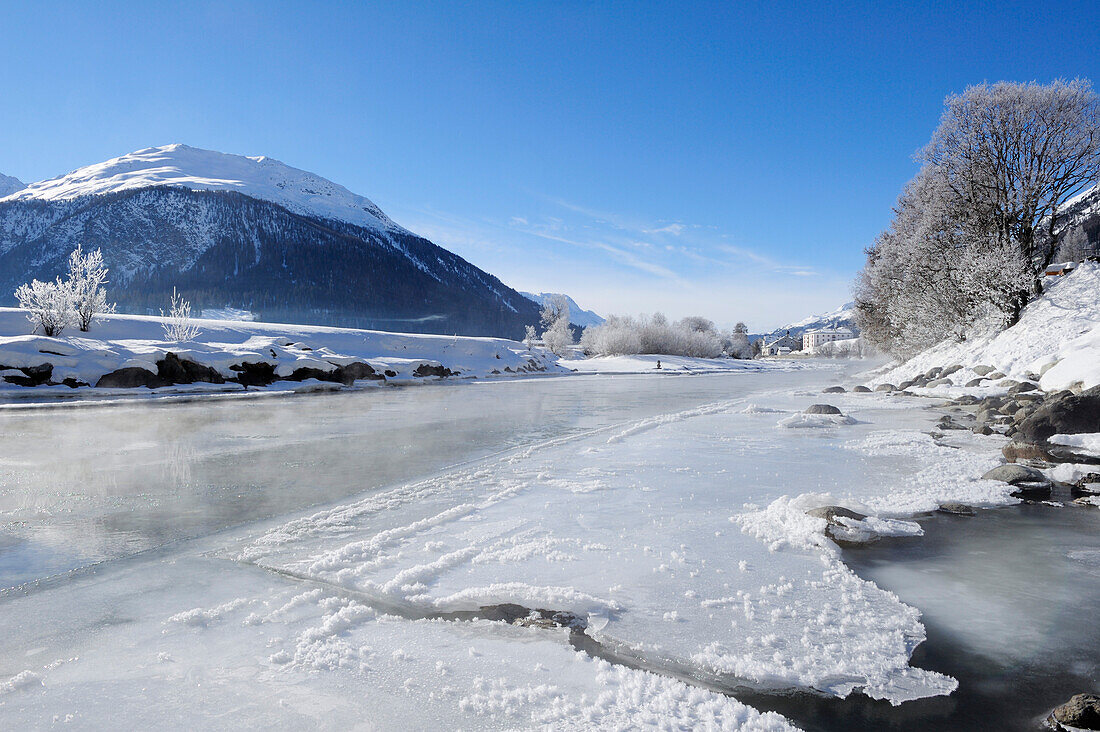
(190, 584)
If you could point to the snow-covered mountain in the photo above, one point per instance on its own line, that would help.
(843, 317)
(577, 314)
(249, 233)
(9, 185)
(183, 166)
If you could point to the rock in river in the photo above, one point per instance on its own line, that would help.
(1080, 712)
(1029, 482)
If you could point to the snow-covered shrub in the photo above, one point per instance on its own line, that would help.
(178, 325)
(624, 335)
(557, 334)
(87, 275)
(49, 305)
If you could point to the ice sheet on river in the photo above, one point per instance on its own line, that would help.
(683, 540)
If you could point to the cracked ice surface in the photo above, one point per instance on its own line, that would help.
(682, 538)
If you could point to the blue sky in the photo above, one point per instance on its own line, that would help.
(729, 159)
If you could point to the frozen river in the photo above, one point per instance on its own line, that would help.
(321, 559)
(88, 483)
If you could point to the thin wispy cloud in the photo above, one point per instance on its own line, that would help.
(621, 263)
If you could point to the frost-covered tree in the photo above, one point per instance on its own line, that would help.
(557, 334)
(178, 324)
(1075, 246)
(739, 346)
(87, 275)
(1013, 154)
(49, 305)
(530, 336)
(974, 230)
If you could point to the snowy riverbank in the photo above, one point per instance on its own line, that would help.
(125, 351)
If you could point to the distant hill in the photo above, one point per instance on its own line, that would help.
(577, 315)
(842, 317)
(9, 185)
(251, 234)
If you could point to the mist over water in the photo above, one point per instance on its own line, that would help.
(80, 486)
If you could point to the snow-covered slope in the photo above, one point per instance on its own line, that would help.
(189, 167)
(9, 185)
(1058, 337)
(577, 314)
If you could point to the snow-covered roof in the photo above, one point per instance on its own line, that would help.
(190, 167)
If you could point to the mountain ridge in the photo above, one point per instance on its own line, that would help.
(319, 254)
(10, 185)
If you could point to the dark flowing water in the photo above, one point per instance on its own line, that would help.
(1009, 600)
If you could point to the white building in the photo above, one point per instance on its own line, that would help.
(780, 346)
(811, 339)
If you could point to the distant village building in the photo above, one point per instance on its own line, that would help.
(781, 346)
(811, 339)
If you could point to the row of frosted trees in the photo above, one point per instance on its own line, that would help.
(625, 335)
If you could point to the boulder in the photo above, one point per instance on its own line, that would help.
(1082, 711)
(861, 389)
(950, 370)
(310, 372)
(173, 370)
(130, 377)
(985, 415)
(1020, 450)
(1022, 387)
(886, 387)
(1029, 482)
(956, 509)
(939, 382)
(982, 429)
(822, 409)
(974, 382)
(427, 369)
(837, 519)
(933, 373)
(833, 390)
(254, 374)
(995, 375)
(1072, 414)
(355, 371)
(32, 375)
(983, 370)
